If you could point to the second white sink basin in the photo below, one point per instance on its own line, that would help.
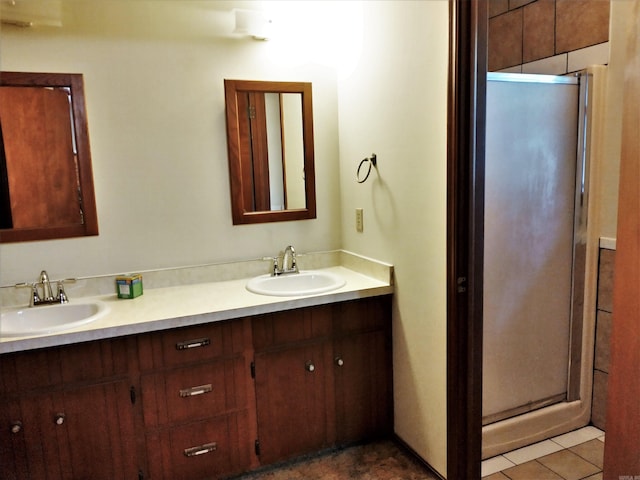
(50, 318)
(307, 282)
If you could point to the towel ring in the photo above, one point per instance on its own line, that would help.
(371, 161)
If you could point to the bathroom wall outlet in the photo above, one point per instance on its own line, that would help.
(359, 220)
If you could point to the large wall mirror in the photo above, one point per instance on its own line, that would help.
(270, 143)
(46, 179)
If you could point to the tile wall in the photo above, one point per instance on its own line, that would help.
(548, 36)
(603, 330)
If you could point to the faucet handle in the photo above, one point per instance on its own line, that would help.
(274, 270)
(62, 296)
(35, 298)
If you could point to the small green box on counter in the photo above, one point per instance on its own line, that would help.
(129, 286)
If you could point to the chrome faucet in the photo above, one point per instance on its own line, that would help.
(287, 260)
(47, 293)
(289, 264)
(47, 297)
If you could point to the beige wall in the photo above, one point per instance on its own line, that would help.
(153, 76)
(394, 104)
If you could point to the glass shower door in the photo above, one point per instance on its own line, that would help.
(531, 156)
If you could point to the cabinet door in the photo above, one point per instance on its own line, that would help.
(28, 439)
(83, 433)
(363, 386)
(101, 437)
(292, 401)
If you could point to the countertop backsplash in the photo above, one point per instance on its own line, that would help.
(10, 296)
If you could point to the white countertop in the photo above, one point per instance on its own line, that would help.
(183, 305)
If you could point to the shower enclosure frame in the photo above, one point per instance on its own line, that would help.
(575, 412)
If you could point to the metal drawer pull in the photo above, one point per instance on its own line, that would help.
(198, 342)
(202, 449)
(199, 390)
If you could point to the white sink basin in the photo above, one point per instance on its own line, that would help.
(50, 318)
(306, 282)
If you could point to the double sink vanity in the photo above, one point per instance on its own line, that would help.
(212, 372)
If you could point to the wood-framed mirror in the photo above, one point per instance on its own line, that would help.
(46, 179)
(271, 152)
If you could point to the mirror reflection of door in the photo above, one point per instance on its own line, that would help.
(293, 145)
(271, 151)
(38, 158)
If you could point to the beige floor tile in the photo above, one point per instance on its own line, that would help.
(531, 470)
(576, 437)
(496, 476)
(592, 451)
(568, 465)
(495, 464)
(531, 452)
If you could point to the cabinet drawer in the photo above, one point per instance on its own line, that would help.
(284, 328)
(195, 392)
(49, 367)
(191, 344)
(214, 448)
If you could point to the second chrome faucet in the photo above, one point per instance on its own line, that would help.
(284, 263)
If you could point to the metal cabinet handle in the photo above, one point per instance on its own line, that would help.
(339, 361)
(200, 450)
(59, 418)
(309, 366)
(193, 391)
(195, 343)
(16, 427)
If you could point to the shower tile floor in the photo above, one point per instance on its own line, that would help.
(573, 456)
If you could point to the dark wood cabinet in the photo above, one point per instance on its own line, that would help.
(196, 401)
(64, 419)
(363, 369)
(322, 377)
(208, 449)
(201, 402)
(363, 387)
(292, 401)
